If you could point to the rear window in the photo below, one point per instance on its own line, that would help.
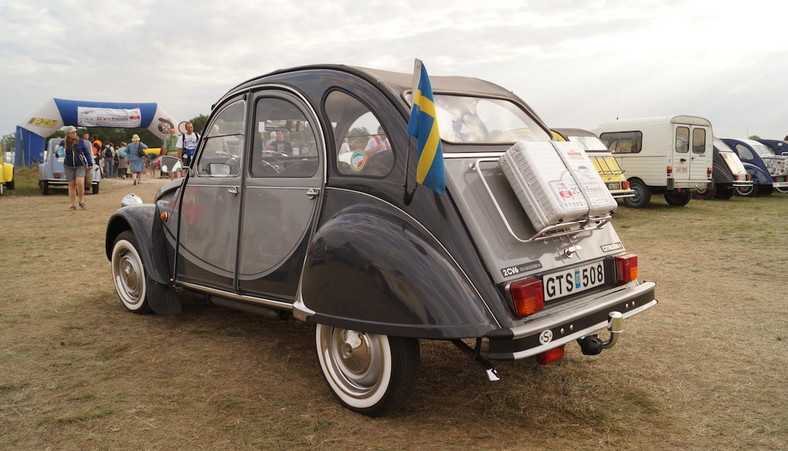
(473, 120)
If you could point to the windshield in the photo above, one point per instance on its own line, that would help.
(463, 119)
(589, 143)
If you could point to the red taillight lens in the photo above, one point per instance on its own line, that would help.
(670, 171)
(626, 268)
(57, 175)
(708, 173)
(625, 185)
(550, 356)
(736, 177)
(527, 296)
(749, 177)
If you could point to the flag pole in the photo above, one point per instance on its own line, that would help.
(416, 75)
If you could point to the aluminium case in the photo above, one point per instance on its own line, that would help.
(555, 183)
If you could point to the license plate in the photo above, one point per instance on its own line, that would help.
(613, 185)
(574, 280)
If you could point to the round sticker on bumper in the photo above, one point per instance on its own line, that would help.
(546, 336)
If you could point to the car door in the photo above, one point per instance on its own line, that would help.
(281, 194)
(682, 158)
(211, 203)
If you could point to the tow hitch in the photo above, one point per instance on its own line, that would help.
(593, 345)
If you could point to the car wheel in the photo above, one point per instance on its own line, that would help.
(678, 198)
(782, 189)
(368, 373)
(44, 188)
(95, 188)
(724, 193)
(128, 273)
(705, 193)
(765, 190)
(10, 185)
(642, 195)
(747, 191)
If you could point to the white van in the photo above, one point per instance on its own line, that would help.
(670, 155)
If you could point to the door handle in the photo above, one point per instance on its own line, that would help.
(312, 193)
(233, 190)
(683, 160)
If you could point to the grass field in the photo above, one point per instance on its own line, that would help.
(706, 369)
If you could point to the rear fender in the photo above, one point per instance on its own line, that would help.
(371, 270)
(759, 175)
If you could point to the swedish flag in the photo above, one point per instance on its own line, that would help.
(423, 124)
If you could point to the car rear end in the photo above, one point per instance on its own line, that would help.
(563, 277)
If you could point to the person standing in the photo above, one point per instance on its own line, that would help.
(123, 164)
(187, 143)
(169, 148)
(109, 160)
(78, 161)
(136, 162)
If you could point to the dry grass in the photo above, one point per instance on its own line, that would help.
(706, 369)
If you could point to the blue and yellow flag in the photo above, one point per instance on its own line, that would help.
(423, 124)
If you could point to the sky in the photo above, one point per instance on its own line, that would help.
(577, 63)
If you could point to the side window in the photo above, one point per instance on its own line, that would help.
(682, 139)
(699, 140)
(284, 143)
(744, 152)
(222, 150)
(623, 142)
(362, 145)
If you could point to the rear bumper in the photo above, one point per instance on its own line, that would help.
(574, 321)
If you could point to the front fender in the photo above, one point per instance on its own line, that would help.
(143, 221)
(372, 269)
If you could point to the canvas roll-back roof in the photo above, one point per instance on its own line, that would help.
(395, 82)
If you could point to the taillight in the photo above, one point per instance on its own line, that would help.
(625, 185)
(626, 268)
(708, 173)
(527, 296)
(550, 356)
(57, 175)
(749, 177)
(670, 171)
(736, 177)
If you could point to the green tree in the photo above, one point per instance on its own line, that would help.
(199, 123)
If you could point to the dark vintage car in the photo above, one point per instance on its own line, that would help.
(767, 170)
(353, 245)
(728, 175)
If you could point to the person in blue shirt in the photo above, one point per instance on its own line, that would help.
(79, 160)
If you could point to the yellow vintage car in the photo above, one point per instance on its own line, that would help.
(6, 172)
(600, 156)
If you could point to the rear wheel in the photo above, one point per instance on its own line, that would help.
(782, 189)
(128, 274)
(44, 187)
(765, 190)
(642, 195)
(368, 373)
(724, 193)
(678, 198)
(95, 188)
(10, 185)
(747, 191)
(708, 192)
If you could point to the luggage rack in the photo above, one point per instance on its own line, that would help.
(604, 166)
(589, 223)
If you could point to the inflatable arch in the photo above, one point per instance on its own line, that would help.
(56, 113)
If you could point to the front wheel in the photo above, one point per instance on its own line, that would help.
(128, 274)
(678, 198)
(709, 191)
(368, 373)
(765, 190)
